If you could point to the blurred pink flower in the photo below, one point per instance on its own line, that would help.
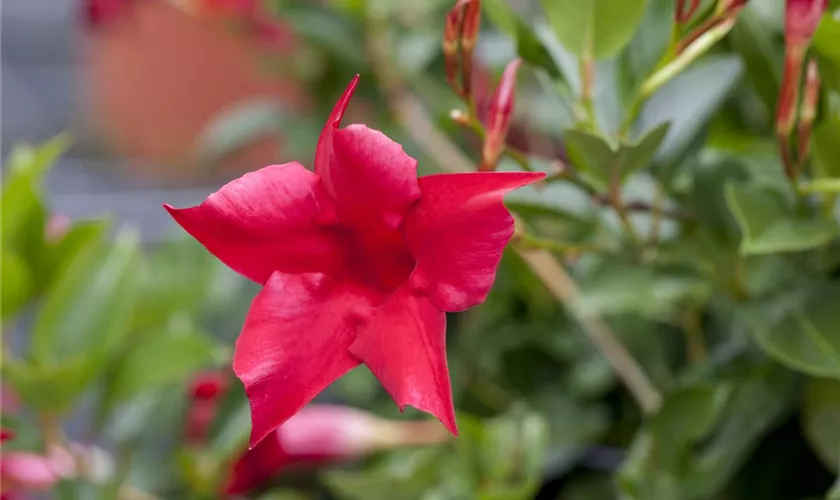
(30, 471)
(322, 433)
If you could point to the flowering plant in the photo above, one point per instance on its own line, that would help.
(595, 244)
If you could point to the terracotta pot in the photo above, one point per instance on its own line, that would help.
(156, 77)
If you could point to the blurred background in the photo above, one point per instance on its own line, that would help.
(664, 328)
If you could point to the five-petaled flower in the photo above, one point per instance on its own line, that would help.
(360, 260)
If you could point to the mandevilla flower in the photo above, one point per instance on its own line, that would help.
(324, 433)
(498, 119)
(359, 261)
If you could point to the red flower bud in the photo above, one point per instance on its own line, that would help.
(323, 433)
(451, 40)
(6, 434)
(498, 121)
(801, 20)
(205, 390)
(469, 37)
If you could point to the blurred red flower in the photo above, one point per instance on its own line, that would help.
(360, 260)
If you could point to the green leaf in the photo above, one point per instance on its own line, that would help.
(826, 149)
(57, 256)
(826, 45)
(178, 278)
(689, 414)
(800, 330)
(599, 162)
(821, 420)
(53, 388)
(600, 28)
(755, 41)
(88, 310)
(21, 205)
(769, 225)
(17, 283)
(688, 102)
(528, 45)
(160, 359)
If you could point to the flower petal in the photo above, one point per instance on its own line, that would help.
(372, 180)
(266, 221)
(404, 345)
(294, 344)
(457, 234)
(23, 469)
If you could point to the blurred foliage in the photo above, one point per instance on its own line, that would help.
(718, 274)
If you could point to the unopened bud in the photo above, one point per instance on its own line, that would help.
(726, 8)
(327, 432)
(451, 40)
(498, 120)
(801, 20)
(469, 37)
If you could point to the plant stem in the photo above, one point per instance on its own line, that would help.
(410, 113)
(587, 85)
(565, 290)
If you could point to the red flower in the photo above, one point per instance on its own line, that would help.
(322, 433)
(359, 259)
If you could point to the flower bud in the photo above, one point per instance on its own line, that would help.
(498, 120)
(801, 20)
(204, 390)
(321, 433)
(469, 37)
(451, 40)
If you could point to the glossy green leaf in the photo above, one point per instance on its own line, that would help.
(800, 330)
(757, 44)
(160, 359)
(689, 413)
(769, 225)
(821, 420)
(688, 102)
(599, 162)
(597, 27)
(17, 283)
(88, 310)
